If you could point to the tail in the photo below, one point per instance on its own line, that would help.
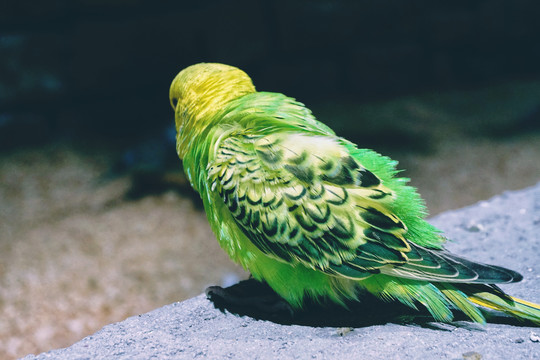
(498, 300)
(465, 296)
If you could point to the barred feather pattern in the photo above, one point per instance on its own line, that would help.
(319, 206)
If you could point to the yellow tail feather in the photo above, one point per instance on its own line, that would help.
(526, 303)
(518, 308)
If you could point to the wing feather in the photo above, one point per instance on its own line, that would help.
(303, 198)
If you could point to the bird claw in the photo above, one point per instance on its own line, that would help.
(252, 298)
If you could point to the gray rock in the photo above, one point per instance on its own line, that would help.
(503, 231)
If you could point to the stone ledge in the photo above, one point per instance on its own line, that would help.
(503, 230)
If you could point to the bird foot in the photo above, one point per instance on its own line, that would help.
(252, 298)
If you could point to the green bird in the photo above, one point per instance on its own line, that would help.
(311, 214)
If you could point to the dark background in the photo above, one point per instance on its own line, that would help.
(88, 70)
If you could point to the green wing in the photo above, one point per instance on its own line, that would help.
(303, 198)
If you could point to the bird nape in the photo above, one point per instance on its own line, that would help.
(311, 214)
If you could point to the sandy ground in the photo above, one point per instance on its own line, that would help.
(76, 255)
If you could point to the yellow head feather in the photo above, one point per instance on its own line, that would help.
(201, 90)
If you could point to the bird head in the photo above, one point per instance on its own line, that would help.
(201, 90)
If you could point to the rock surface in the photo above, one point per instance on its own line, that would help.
(503, 231)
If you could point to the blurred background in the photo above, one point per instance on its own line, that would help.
(97, 222)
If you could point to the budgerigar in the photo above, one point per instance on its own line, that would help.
(310, 213)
